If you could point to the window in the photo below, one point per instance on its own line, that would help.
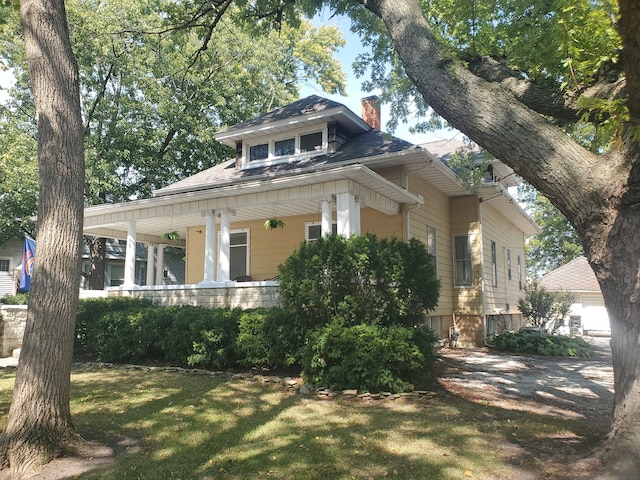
(434, 323)
(116, 274)
(238, 254)
(509, 264)
(314, 231)
(519, 273)
(311, 142)
(259, 152)
(285, 147)
(494, 264)
(463, 274)
(4, 265)
(432, 247)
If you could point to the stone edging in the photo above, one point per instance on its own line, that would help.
(288, 383)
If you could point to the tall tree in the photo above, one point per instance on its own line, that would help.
(39, 423)
(519, 78)
(157, 80)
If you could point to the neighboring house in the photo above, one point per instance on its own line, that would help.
(588, 312)
(10, 259)
(171, 273)
(321, 169)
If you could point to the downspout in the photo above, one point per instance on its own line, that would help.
(408, 208)
(482, 272)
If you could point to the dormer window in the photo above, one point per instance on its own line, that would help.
(259, 152)
(283, 149)
(311, 142)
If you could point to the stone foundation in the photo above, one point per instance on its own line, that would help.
(244, 295)
(14, 318)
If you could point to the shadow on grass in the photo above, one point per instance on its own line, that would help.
(199, 427)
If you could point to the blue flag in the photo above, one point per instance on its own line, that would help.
(28, 257)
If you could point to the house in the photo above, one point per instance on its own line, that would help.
(171, 273)
(10, 260)
(588, 313)
(318, 168)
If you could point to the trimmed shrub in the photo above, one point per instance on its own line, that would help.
(355, 306)
(214, 345)
(542, 344)
(368, 357)
(17, 299)
(93, 324)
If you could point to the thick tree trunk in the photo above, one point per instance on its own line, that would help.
(599, 194)
(39, 425)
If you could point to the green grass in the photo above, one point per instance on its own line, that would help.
(201, 427)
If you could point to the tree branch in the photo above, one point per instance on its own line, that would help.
(547, 100)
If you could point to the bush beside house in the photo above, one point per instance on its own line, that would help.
(352, 318)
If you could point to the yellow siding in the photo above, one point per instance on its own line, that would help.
(507, 238)
(270, 248)
(435, 213)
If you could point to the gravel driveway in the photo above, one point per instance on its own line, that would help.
(567, 387)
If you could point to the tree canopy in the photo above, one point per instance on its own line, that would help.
(157, 80)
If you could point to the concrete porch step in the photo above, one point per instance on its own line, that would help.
(15, 353)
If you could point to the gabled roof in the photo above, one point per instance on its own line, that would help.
(575, 276)
(445, 149)
(306, 111)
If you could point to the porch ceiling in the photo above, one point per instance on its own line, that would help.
(266, 198)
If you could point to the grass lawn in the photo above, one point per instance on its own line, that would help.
(200, 427)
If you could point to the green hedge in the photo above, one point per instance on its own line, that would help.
(17, 299)
(542, 344)
(134, 330)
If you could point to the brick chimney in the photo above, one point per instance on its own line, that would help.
(371, 111)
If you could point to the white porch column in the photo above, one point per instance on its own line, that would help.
(160, 266)
(326, 217)
(209, 247)
(150, 263)
(356, 215)
(345, 206)
(224, 265)
(130, 257)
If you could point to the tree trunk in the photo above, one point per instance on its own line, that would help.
(97, 251)
(39, 425)
(599, 194)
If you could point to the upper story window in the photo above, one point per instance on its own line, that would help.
(259, 152)
(285, 148)
(311, 142)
